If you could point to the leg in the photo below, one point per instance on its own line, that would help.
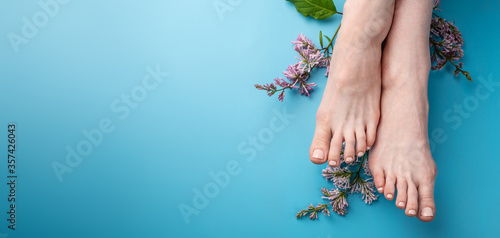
(401, 158)
(350, 106)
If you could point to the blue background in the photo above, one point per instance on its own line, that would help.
(90, 53)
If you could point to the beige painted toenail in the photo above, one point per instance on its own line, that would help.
(389, 196)
(349, 160)
(368, 148)
(332, 163)
(318, 154)
(380, 190)
(401, 204)
(427, 212)
(412, 212)
(360, 154)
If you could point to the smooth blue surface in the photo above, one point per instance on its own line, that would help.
(65, 79)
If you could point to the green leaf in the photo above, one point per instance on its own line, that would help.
(328, 38)
(321, 38)
(319, 9)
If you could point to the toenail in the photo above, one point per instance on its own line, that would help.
(427, 212)
(368, 148)
(380, 190)
(332, 163)
(349, 160)
(389, 196)
(401, 204)
(412, 212)
(360, 154)
(318, 154)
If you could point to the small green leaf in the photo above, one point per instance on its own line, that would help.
(321, 38)
(328, 38)
(318, 9)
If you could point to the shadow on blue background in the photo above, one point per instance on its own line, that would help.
(169, 141)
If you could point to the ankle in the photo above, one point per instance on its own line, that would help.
(408, 87)
(415, 72)
(368, 20)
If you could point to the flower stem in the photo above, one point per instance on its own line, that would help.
(357, 175)
(363, 160)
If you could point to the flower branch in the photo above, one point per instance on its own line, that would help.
(346, 182)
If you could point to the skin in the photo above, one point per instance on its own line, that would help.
(350, 107)
(401, 158)
(378, 98)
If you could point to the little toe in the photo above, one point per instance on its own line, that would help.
(390, 181)
(335, 149)
(402, 187)
(349, 148)
(412, 200)
(318, 153)
(360, 143)
(426, 203)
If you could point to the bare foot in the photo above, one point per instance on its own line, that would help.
(401, 157)
(350, 107)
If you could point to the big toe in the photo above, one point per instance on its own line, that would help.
(378, 178)
(426, 205)
(371, 133)
(320, 145)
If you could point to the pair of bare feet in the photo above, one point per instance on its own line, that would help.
(376, 97)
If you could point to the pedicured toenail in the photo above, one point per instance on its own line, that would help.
(318, 154)
(380, 190)
(401, 204)
(412, 212)
(368, 148)
(427, 212)
(389, 196)
(332, 163)
(349, 159)
(360, 154)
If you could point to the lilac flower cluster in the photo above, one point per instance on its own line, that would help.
(446, 43)
(366, 188)
(338, 200)
(365, 168)
(297, 74)
(346, 182)
(341, 177)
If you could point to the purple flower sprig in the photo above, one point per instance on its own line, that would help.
(312, 211)
(271, 88)
(297, 74)
(346, 182)
(446, 44)
(338, 200)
